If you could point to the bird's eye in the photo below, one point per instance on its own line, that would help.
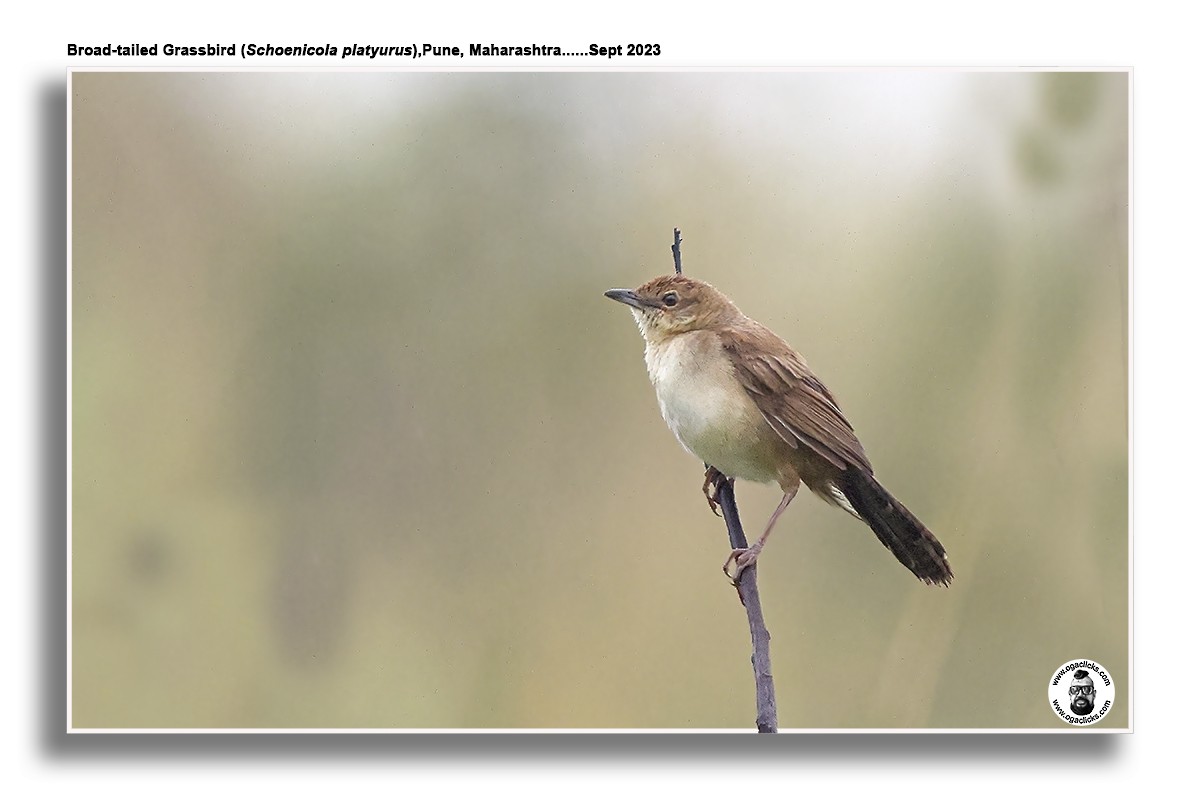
(670, 299)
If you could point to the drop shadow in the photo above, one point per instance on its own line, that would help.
(56, 744)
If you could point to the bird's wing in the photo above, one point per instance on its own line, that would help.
(791, 399)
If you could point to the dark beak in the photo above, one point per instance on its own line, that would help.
(626, 296)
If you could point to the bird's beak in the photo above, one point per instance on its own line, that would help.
(626, 296)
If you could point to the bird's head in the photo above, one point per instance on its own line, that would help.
(674, 304)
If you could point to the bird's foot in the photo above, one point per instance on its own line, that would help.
(712, 486)
(740, 559)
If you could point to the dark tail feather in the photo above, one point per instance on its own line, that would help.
(902, 533)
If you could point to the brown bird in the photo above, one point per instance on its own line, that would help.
(745, 403)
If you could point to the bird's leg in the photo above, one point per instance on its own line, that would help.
(712, 485)
(743, 557)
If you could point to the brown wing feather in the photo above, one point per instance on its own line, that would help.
(791, 399)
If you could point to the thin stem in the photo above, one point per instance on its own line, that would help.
(760, 638)
(676, 253)
(747, 586)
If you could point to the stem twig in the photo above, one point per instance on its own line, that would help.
(747, 586)
(760, 638)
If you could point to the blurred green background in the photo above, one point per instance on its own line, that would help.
(358, 442)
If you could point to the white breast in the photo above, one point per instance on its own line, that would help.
(706, 407)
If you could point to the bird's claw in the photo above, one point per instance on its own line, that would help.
(741, 558)
(712, 486)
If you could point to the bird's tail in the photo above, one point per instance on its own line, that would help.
(901, 532)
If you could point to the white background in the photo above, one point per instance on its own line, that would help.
(1157, 39)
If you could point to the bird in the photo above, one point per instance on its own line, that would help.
(740, 399)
